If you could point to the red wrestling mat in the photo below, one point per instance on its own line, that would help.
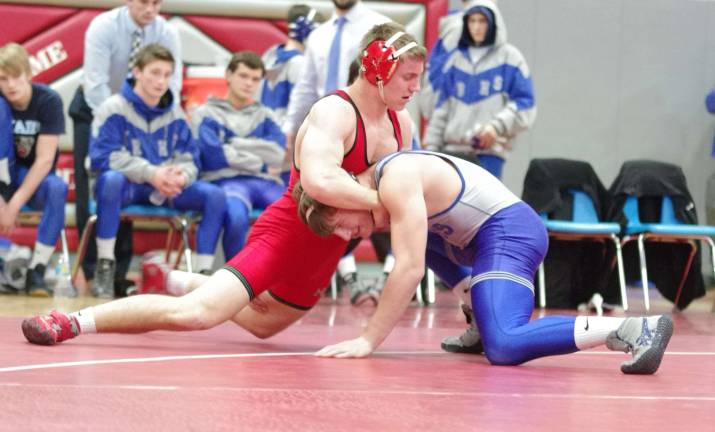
(224, 379)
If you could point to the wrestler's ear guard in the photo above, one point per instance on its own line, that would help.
(379, 59)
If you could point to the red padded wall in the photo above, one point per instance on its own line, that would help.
(20, 22)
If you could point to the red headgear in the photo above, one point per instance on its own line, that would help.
(380, 58)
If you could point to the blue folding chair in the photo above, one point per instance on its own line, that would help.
(177, 220)
(584, 225)
(671, 230)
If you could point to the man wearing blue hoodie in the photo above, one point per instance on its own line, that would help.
(143, 152)
(486, 96)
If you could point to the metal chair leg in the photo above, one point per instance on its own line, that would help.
(334, 287)
(542, 286)
(430, 294)
(621, 272)
(83, 243)
(187, 249)
(644, 270)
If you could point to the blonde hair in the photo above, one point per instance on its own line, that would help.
(14, 60)
(313, 213)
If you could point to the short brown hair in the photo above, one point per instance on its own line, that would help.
(153, 52)
(14, 60)
(249, 58)
(313, 213)
(385, 31)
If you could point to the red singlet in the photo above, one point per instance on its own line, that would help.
(282, 255)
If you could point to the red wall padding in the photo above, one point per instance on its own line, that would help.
(20, 22)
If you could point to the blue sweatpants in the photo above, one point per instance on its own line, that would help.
(504, 257)
(50, 198)
(114, 191)
(243, 194)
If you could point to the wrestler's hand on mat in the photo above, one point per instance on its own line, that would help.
(353, 348)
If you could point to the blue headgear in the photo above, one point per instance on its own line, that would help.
(301, 27)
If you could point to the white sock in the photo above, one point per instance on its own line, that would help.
(346, 265)
(204, 262)
(85, 318)
(41, 255)
(591, 331)
(389, 263)
(178, 282)
(105, 248)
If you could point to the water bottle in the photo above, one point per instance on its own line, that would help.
(157, 198)
(63, 286)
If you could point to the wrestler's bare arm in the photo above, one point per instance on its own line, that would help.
(402, 196)
(329, 126)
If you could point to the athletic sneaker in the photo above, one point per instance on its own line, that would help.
(35, 282)
(50, 329)
(103, 284)
(646, 338)
(360, 291)
(469, 342)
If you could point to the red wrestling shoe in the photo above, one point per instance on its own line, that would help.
(50, 329)
(154, 273)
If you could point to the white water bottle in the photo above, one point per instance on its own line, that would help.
(63, 286)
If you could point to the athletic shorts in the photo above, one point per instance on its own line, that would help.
(284, 257)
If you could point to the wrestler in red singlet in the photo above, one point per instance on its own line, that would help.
(282, 255)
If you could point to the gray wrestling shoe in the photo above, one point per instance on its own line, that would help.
(360, 291)
(469, 342)
(646, 338)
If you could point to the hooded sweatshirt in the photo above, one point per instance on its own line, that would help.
(494, 89)
(283, 69)
(134, 138)
(234, 142)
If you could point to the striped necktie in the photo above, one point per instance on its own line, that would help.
(331, 77)
(136, 45)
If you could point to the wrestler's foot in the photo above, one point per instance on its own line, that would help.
(50, 329)
(646, 338)
(469, 342)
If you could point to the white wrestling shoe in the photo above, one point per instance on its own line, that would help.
(646, 338)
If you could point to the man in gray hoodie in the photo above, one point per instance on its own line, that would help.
(486, 95)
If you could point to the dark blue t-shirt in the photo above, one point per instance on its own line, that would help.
(43, 116)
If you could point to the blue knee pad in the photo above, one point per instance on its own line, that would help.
(502, 309)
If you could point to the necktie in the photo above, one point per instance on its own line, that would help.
(331, 77)
(136, 45)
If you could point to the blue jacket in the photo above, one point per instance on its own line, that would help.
(135, 139)
(7, 147)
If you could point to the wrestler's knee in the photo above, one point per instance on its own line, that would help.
(503, 350)
(193, 316)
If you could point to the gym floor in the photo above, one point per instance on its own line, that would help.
(225, 379)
